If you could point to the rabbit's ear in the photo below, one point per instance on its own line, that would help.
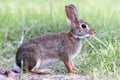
(71, 13)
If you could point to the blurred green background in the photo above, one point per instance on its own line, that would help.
(21, 20)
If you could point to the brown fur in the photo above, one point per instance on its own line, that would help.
(48, 49)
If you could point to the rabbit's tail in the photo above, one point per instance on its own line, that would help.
(16, 68)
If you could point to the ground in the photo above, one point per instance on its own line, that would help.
(58, 76)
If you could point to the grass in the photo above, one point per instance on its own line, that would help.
(99, 57)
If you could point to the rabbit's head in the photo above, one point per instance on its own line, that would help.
(79, 28)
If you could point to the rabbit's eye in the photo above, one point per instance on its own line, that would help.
(83, 25)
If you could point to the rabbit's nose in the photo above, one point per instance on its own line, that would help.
(92, 31)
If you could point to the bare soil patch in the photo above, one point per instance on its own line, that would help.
(30, 76)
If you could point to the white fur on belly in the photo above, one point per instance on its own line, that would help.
(48, 62)
(77, 51)
(45, 63)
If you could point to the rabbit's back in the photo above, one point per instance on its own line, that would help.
(50, 45)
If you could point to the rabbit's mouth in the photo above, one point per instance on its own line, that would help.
(83, 36)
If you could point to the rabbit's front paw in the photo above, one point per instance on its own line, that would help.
(73, 71)
(75, 68)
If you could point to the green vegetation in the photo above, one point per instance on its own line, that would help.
(21, 20)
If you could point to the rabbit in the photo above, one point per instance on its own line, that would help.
(47, 49)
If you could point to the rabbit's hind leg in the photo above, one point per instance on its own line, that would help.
(36, 70)
(42, 71)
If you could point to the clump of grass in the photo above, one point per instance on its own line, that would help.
(102, 61)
